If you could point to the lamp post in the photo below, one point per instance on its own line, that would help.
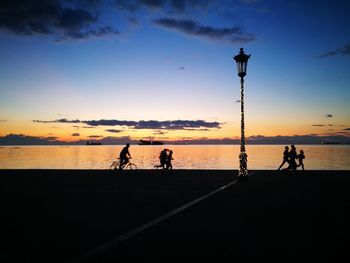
(242, 61)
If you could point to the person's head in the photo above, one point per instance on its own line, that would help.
(171, 151)
(287, 148)
(293, 147)
(128, 145)
(301, 151)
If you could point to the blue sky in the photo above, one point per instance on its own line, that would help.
(163, 60)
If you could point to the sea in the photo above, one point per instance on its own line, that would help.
(260, 157)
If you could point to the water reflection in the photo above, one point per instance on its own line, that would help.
(330, 157)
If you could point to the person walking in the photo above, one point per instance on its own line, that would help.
(169, 165)
(292, 157)
(285, 157)
(163, 159)
(300, 158)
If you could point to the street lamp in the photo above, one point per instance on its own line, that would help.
(242, 61)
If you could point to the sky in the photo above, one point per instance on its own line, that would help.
(117, 70)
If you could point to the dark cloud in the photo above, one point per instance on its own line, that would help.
(250, 2)
(76, 134)
(3, 120)
(330, 125)
(110, 123)
(345, 51)
(58, 121)
(114, 130)
(82, 19)
(151, 124)
(181, 68)
(169, 6)
(95, 136)
(190, 27)
(346, 129)
(317, 125)
(100, 32)
(329, 115)
(51, 138)
(52, 18)
(238, 101)
(88, 127)
(159, 132)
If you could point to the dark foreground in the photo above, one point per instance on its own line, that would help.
(64, 215)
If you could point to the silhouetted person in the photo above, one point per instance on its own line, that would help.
(300, 158)
(163, 159)
(124, 156)
(169, 166)
(285, 157)
(292, 157)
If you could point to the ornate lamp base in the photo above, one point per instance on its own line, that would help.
(243, 172)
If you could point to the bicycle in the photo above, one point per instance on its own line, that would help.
(126, 166)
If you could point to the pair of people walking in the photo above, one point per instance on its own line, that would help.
(165, 158)
(290, 157)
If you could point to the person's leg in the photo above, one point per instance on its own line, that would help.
(279, 168)
(122, 163)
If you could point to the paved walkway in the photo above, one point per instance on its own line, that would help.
(60, 216)
(274, 216)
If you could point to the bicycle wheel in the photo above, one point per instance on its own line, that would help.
(114, 165)
(131, 166)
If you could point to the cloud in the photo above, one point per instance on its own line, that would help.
(53, 18)
(238, 101)
(190, 27)
(114, 130)
(51, 138)
(317, 125)
(3, 120)
(250, 2)
(170, 6)
(344, 51)
(329, 115)
(159, 132)
(151, 124)
(95, 136)
(76, 134)
(181, 68)
(58, 121)
(346, 129)
(67, 20)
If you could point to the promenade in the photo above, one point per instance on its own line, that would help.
(182, 215)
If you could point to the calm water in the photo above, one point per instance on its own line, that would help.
(330, 157)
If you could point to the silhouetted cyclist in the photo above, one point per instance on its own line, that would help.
(124, 156)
